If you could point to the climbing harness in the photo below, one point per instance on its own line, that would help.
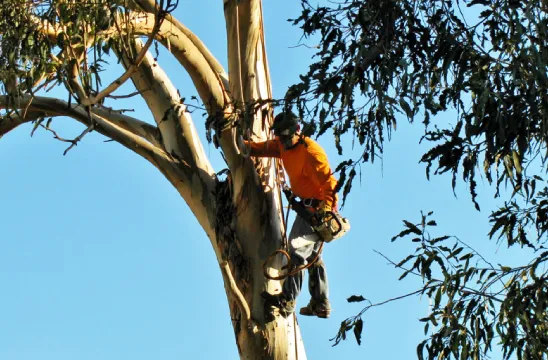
(329, 226)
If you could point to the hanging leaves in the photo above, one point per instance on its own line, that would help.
(474, 305)
(380, 58)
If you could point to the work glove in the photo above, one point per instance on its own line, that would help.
(324, 207)
(323, 210)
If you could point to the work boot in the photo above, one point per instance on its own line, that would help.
(278, 301)
(321, 310)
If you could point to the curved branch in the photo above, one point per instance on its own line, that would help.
(178, 132)
(207, 74)
(120, 128)
(196, 192)
(150, 6)
(135, 126)
(158, 20)
(208, 83)
(179, 136)
(11, 121)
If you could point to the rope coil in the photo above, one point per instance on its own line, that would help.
(296, 270)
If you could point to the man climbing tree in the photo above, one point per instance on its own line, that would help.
(311, 180)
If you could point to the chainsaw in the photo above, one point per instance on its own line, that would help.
(329, 225)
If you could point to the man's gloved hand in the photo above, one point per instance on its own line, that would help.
(325, 207)
(243, 146)
(323, 210)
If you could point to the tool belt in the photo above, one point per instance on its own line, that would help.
(329, 225)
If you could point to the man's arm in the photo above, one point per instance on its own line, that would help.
(269, 148)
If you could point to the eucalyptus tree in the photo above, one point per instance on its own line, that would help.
(475, 73)
(68, 43)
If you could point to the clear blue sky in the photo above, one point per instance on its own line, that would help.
(101, 259)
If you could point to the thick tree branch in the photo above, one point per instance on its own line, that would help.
(11, 121)
(210, 86)
(158, 20)
(150, 6)
(174, 122)
(208, 76)
(135, 126)
(120, 128)
(252, 34)
(178, 134)
(208, 83)
(247, 63)
(187, 180)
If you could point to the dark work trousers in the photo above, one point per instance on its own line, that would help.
(304, 244)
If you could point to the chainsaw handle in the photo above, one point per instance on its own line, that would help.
(337, 220)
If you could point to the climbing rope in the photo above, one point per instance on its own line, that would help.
(285, 250)
(296, 270)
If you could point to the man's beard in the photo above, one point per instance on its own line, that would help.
(287, 142)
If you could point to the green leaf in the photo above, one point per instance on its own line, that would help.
(420, 348)
(412, 227)
(437, 300)
(356, 298)
(358, 328)
(405, 106)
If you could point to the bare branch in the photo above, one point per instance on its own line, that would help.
(135, 93)
(208, 82)
(195, 186)
(251, 51)
(73, 142)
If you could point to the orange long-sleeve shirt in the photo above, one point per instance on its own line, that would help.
(306, 166)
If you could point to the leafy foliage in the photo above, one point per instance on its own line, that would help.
(474, 305)
(475, 73)
(486, 60)
(33, 53)
(54, 42)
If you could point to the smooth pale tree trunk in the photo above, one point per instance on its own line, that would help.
(241, 213)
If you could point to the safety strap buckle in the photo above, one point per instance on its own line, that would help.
(309, 202)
